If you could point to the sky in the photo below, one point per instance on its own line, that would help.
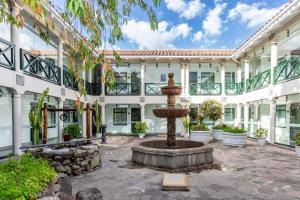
(196, 24)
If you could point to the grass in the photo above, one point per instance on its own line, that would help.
(24, 177)
(234, 130)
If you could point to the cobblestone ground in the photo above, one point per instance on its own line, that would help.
(254, 172)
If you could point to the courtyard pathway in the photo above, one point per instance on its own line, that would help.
(254, 172)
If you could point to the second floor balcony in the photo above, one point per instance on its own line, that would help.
(124, 89)
(206, 89)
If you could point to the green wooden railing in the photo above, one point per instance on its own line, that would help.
(40, 68)
(7, 54)
(68, 80)
(124, 89)
(258, 81)
(93, 88)
(240, 88)
(205, 89)
(153, 89)
(231, 88)
(287, 70)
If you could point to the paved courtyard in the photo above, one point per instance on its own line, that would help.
(254, 172)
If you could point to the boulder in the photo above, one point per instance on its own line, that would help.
(89, 194)
(65, 183)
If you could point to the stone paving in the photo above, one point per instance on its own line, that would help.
(254, 172)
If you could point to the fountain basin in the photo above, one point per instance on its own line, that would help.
(171, 90)
(171, 112)
(186, 154)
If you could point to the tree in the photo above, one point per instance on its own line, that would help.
(211, 109)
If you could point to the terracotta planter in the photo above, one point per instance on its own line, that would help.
(234, 139)
(261, 141)
(67, 138)
(217, 134)
(201, 136)
(297, 149)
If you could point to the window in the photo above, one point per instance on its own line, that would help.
(193, 114)
(295, 113)
(280, 114)
(229, 114)
(207, 77)
(120, 116)
(163, 78)
(51, 115)
(193, 77)
(229, 77)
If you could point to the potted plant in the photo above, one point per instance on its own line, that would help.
(297, 144)
(97, 119)
(233, 136)
(217, 131)
(200, 132)
(261, 134)
(186, 126)
(141, 128)
(36, 119)
(214, 113)
(72, 131)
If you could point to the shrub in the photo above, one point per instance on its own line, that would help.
(261, 133)
(297, 139)
(219, 127)
(199, 127)
(73, 130)
(141, 127)
(24, 177)
(186, 123)
(234, 130)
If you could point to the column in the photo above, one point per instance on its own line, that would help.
(17, 123)
(84, 122)
(246, 115)
(247, 72)
(60, 122)
(15, 38)
(274, 58)
(272, 121)
(223, 80)
(143, 79)
(60, 54)
(256, 111)
(102, 83)
(182, 78)
(187, 79)
(142, 112)
(239, 74)
(103, 113)
(238, 115)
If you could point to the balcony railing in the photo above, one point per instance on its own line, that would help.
(68, 80)
(7, 54)
(258, 81)
(153, 89)
(93, 88)
(287, 70)
(124, 89)
(234, 88)
(240, 88)
(206, 89)
(40, 68)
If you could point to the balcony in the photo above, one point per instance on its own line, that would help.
(287, 70)
(153, 89)
(124, 89)
(68, 80)
(234, 88)
(40, 68)
(7, 54)
(258, 81)
(93, 88)
(206, 89)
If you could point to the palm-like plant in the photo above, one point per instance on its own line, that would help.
(35, 117)
(186, 123)
(97, 118)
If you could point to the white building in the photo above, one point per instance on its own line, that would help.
(258, 83)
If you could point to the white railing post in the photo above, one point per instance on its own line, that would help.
(223, 80)
(274, 60)
(17, 123)
(143, 78)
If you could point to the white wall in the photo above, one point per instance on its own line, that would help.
(5, 118)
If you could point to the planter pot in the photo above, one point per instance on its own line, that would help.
(67, 138)
(261, 141)
(297, 149)
(141, 135)
(201, 136)
(234, 139)
(98, 135)
(217, 134)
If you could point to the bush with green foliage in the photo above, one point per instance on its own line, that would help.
(234, 130)
(201, 127)
(73, 130)
(141, 127)
(297, 138)
(219, 127)
(261, 133)
(186, 123)
(24, 177)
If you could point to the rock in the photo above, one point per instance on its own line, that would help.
(66, 162)
(60, 168)
(79, 153)
(95, 162)
(84, 163)
(75, 166)
(89, 194)
(58, 158)
(65, 183)
(54, 163)
(65, 196)
(49, 198)
(89, 148)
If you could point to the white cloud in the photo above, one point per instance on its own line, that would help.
(212, 25)
(252, 14)
(198, 36)
(186, 10)
(140, 33)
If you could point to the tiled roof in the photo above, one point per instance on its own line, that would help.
(173, 52)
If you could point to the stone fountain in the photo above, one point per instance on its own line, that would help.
(171, 154)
